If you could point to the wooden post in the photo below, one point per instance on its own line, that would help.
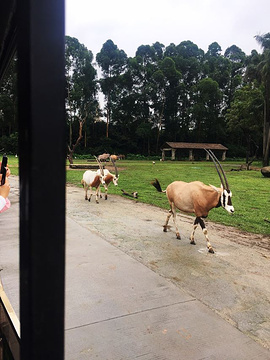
(223, 155)
(191, 158)
(173, 154)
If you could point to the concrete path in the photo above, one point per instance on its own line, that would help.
(118, 309)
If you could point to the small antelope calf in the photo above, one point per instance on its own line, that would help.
(198, 198)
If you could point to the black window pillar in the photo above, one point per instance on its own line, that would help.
(42, 152)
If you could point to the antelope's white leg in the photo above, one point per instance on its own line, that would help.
(165, 226)
(90, 190)
(97, 194)
(192, 240)
(174, 220)
(209, 246)
(106, 192)
(200, 221)
(85, 190)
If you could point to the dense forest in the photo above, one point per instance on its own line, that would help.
(163, 93)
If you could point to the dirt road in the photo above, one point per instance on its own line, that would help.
(234, 282)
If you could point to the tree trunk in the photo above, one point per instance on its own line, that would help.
(107, 125)
(72, 148)
(160, 125)
(267, 148)
(266, 126)
(70, 133)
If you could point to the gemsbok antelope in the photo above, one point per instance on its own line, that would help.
(108, 178)
(93, 179)
(198, 198)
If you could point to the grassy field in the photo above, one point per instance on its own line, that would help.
(250, 189)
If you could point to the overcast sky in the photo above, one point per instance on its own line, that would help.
(130, 24)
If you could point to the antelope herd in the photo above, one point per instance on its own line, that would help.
(188, 197)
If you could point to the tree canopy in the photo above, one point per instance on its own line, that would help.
(164, 93)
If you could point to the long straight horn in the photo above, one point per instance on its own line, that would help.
(221, 168)
(100, 166)
(116, 171)
(217, 163)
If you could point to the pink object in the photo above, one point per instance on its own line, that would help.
(7, 206)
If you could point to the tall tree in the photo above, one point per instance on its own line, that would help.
(112, 62)
(237, 60)
(8, 101)
(165, 94)
(208, 123)
(259, 69)
(81, 101)
(245, 117)
(188, 61)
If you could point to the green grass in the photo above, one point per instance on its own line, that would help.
(250, 189)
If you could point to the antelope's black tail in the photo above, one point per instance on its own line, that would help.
(156, 184)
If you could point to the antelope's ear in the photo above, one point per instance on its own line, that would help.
(215, 188)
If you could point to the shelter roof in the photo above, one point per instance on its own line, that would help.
(186, 145)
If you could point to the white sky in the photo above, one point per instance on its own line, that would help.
(130, 24)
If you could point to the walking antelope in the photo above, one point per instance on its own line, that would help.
(93, 179)
(109, 177)
(103, 157)
(196, 197)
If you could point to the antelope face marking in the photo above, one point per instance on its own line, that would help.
(115, 180)
(226, 201)
(102, 180)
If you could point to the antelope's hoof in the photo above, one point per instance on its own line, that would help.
(106, 197)
(192, 242)
(178, 236)
(164, 228)
(211, 250)
(85, 198)
(89, 199)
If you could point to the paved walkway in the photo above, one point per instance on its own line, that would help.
(118, 309)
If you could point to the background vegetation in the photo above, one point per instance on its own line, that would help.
(163, 93)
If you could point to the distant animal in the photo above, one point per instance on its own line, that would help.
(196, 197)
(114, 157)
(108, 178)
(103, 157)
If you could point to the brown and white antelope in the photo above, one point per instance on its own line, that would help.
(198, 198)
(108, 178)
(93, 179)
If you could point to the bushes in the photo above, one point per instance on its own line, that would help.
(9, 144)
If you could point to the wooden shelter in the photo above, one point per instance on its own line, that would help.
(173, 146)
